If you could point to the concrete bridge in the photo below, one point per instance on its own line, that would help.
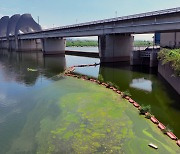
(21, 32)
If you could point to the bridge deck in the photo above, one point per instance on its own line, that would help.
(157, 21)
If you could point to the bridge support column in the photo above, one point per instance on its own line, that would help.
(113, 48)
(54, 46)
(153, 59)
(29, 45)
(12, 45)
(135, 58)
(4, 44)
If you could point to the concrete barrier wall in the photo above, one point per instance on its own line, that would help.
(168, 74)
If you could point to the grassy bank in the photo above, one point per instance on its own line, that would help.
(81, 43)
(171, 56)
(142, 43)
(94, 43)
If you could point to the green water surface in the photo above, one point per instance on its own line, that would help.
(75, 116)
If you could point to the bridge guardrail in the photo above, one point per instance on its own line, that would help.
(160, 12)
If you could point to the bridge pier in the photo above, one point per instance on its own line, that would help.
(12, 44)
(54, 46)
(153, 59)
(135, 57)
(4, 44)
(113, 48)
(28, 45)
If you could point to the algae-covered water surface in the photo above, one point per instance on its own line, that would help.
(74, 116)
(47, 114)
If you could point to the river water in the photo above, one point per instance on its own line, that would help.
(18, 86)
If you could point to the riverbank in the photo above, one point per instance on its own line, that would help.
(81, 43)
(94, 43)
(167, 73)
(169, 67)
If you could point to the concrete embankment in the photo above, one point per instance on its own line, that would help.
(168, 74)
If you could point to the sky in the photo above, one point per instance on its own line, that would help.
(53, 13)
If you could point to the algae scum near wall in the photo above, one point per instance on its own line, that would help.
(75, 116)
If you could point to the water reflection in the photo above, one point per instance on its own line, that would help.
(14, 66)
(141, 84)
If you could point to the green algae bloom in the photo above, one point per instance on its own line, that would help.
(80, 117)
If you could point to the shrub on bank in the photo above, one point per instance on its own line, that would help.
(171, 56)
(100, 78)
(144, 109)
(167, 129)
(126, 93)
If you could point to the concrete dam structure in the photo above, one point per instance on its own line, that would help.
(21, 32)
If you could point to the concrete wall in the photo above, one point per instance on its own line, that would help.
(4, 44)
(12, 45)
(29, 45)
(170, 39)
(114, 48)
(168, 74)
(54, 46)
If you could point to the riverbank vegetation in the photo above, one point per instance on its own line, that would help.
(94, 43)
(171, 56)
(144, 43)
(81, 43)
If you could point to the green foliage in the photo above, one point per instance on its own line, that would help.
(93, 43)
(81, 43)
(167, 129)
(171, 56)
(144, 109)
(100, 78)
(143, 43)
(112, 85)
(126, 93)
(148, 115)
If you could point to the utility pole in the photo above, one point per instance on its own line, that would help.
(115, 14)
(38, 19)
